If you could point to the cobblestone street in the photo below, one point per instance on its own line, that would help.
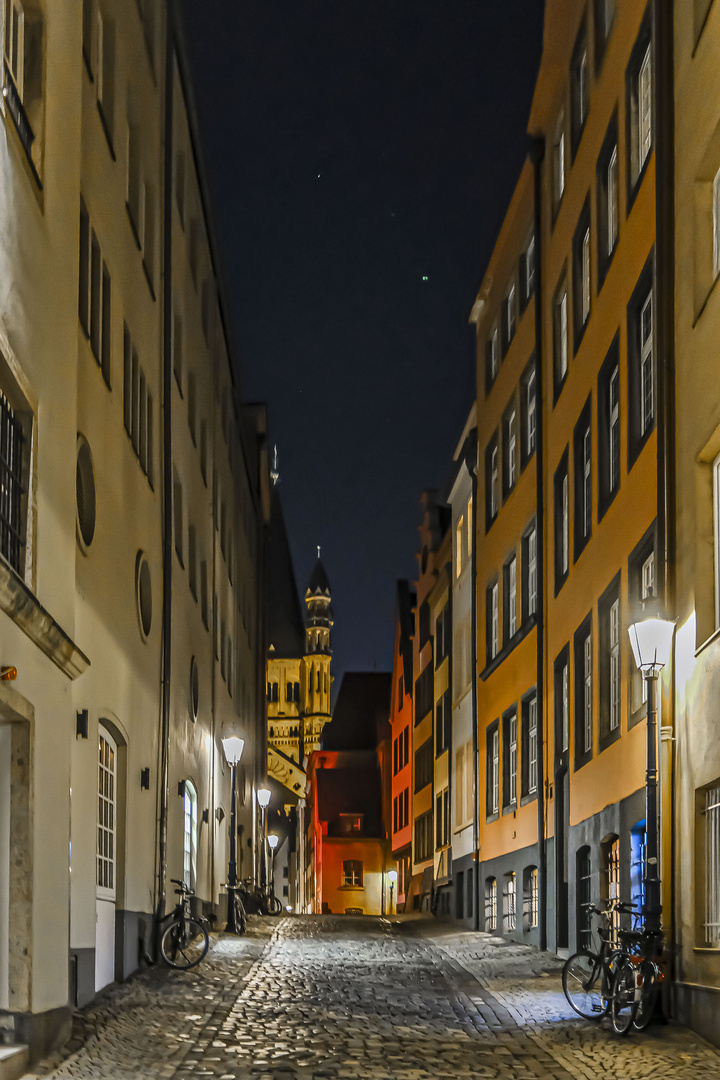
(361, 997)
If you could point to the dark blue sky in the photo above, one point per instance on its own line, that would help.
(361, 155)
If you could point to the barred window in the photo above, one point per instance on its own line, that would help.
(491, 904)
(13, 486)
(510, 901)
(711, 922)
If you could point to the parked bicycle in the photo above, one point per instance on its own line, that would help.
(184, 941)
(587, 976)
(637, 981)
(259, 899)
(235, 894)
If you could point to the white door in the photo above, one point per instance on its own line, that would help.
(105, 860)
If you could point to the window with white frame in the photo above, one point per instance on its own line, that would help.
(512, 758)
(493, 770)
(509, 317)
(511, 598)
(190, 834)
(560, 337)
(494, 621)
(15, 42)
(646, 364)
(532, 572)
(532, 745)
(352, 876)
(492, 357)
(645, 107)
(531, 418)
(710, 811)
(558, 161)
(459, 545)
(716, 223)
(565, 525)
(469, 517)
(491, 904)
(615, 665)
(107, 815)
(562, 521)
(614, 430)
(612, 216)
(510, 462)
(510, 901)
(565, 705)
(587, 697)
(492, 481)
(533, 897)
(640, 102)
(586, 275)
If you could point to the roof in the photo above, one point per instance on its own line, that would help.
(350, 791)
(318, 580)
(363, 704)
(286, 627)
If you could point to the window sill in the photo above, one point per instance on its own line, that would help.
(23, 607)
(106, 129)
(708, 641)
(351, 888)
(495, 663)
(705, 302)
(635, 185)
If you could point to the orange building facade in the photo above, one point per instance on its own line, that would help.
(401, 722)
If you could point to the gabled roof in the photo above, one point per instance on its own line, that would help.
(363, 704)
(286, 626)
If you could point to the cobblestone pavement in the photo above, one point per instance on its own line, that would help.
(342, 998)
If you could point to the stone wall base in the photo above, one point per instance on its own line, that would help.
(698, 1007)
(43, 1032)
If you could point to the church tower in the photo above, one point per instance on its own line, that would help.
(317, 680)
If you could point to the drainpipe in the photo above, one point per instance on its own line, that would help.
(163, 779)
(665, 331)
(537, 153)
(472, 457)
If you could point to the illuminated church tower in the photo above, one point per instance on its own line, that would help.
(317, 681)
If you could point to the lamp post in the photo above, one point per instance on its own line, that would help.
(273, 841)
(651, 640)
(263, 797)
(392, 878)
(232, 749)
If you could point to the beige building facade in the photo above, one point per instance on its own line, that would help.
(134, 492)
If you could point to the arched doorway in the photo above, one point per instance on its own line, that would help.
(106, 858)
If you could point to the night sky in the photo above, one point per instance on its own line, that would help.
(360, 156)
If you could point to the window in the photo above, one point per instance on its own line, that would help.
(137, 407)
(510, 757)
(510, 599)
(581, 274)
(582, 453)
(492, 476)
(640, 105)
(190, 834)
(528, 413)
(423, 765)
(527, 272)
(531, 890)
(583, 896)
(604, 16)
(443, 723)
(638, 864)
(178, 518)
(94, 294)
(16, 426)
(510, 902)
(609, 663)
(491, 904)
(610, 878)
(579, 87)
(562, 703)
(22, 84)
(583, 693)
(716, 223)
(352, 875)
(463, 784)
(105, 75)
(424, 693)
(641, 376)
(350, 824)
(558, 163)
(510, 448)
(562, 522)
(492, 358)
(469, 516)
(509, 318)
(493, 621)
(107, 815)
(15, 43)
(609, 428)
(608, 205)
(529, 593)
(442, 819)
(560, 337)
(180, 185)
(529, 746)
(716, 545)
(424, 837)
(493, 769)
(204, 593)
(459, 545)
(148, 243)
(710, 826)
(177, 348)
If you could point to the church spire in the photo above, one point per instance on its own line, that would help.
(319, 616)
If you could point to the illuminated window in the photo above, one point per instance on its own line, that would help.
(493, 769)
(190, 835)
(107, 815)
(459, 545)
(352, 875)
(510, 901)
(558, 162)
(710, 826)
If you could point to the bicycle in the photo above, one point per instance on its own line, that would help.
(184, 941)
(235, 898)
(637, 982)
(587, 976)
(258, 899)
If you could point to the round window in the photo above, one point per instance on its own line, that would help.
(143, 589)
(85, 494)
(194, 689)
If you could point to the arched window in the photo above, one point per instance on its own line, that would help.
(583, 896)
(610, 876)
(491, 904)
(190, 828)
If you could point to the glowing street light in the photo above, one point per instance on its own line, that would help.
(392, 878)
(651, 640)
(273, 841)
(263, 796)
(232, 748)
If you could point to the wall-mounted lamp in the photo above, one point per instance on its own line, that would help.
(81, 724)
(8, 674)
(145, 779)
(206, 816)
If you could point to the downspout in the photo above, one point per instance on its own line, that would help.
(537, 153)
(472, 466)
(163, 779)
(665, 323)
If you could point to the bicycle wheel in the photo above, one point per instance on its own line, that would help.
(240, 916)
(274, 905)
(649, 990)
(581, 983)
(623, 1005)
(184, 946)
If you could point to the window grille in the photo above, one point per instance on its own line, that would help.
(533, 897)
(12, 540)
(584, 896)
(532, 572)
(532, 746)
(646, 365)
(491, 904)
(615, 666)
(712, 867)
(512, 758)
(511, 902)
(107, 776)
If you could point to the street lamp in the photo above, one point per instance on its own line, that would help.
(651, 640)
(273, 841)
(232, 749)
(392, 878)
(263, 796)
